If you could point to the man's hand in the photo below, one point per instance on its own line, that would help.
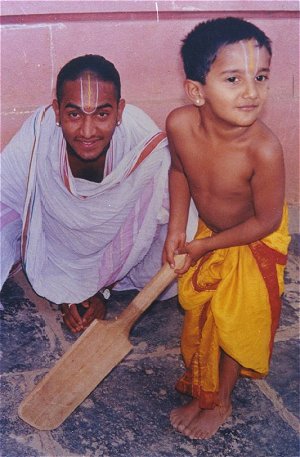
(71, 317)
(91, 309)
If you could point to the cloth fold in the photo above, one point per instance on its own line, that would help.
(231, 299)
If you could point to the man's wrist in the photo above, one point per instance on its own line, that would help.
(105, 292)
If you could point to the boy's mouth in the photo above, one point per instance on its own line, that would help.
(248, 107)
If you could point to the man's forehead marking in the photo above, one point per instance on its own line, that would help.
(88, 91)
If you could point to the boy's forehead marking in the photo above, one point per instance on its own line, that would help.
(89, 92)
(251, 56)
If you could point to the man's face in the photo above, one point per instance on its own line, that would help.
(237, 83)
(88, 115)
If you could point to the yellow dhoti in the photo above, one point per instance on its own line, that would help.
(231, 299)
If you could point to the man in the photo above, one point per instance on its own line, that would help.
(84, 193)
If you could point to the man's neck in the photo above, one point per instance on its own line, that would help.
(91, 171)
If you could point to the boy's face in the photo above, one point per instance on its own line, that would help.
(237, 84)
(88, 114)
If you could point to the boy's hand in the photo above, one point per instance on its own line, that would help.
(194, 250)
(172, 244)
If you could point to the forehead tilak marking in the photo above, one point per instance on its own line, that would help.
(89, 91)
(251, 56)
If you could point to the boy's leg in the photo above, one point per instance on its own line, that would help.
(196, 423)
(229, 373)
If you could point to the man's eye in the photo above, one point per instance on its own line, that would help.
(102, 114)
(74, 115)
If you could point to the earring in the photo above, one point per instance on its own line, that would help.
(118, 123)
(198, 101)
(58, 124)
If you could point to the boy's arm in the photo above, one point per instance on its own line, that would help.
(267, 185)
(179, 202)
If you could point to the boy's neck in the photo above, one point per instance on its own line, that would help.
(218, 129)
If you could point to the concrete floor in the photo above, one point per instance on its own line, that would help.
(127, 415)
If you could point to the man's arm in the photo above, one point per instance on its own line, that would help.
(15, 161)
(267, 185)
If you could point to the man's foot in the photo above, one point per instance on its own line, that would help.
(78, 317)
(181, 417)
(206, 422)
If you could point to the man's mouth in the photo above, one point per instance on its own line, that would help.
(88, 144)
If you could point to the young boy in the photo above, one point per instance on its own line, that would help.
(231, 165)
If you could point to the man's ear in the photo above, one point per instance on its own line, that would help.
(121, 106)
(55, 107)
(195, 92)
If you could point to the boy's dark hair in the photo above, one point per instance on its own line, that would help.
(102, 68)
(201, 45)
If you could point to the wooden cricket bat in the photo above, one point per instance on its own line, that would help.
(89, 360)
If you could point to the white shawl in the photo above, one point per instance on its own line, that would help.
(79, 236)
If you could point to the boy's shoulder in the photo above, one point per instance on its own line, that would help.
(180, 117)
(263, 140)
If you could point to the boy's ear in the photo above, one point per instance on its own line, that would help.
(194, 91)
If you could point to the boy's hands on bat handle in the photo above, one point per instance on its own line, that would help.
(176, 244)
(194, 250)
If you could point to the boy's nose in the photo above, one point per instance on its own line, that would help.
(250, 90)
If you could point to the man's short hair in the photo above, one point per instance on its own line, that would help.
(103, 69)
(201, 45)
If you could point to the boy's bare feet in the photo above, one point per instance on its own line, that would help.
(198, 423)
(78, 317)
(181, 417)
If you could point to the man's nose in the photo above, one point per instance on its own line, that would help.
(88, 127)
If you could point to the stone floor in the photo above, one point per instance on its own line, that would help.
(127, 414)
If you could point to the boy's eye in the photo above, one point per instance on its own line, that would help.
(261, 78)
(232, 79)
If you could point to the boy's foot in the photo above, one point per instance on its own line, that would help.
(207, 422)
(181, 417)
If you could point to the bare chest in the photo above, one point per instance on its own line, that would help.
(224, 174)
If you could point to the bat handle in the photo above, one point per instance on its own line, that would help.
(150, 292)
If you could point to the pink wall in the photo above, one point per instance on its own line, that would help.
(142, 38)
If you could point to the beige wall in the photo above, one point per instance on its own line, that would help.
(143, 39)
